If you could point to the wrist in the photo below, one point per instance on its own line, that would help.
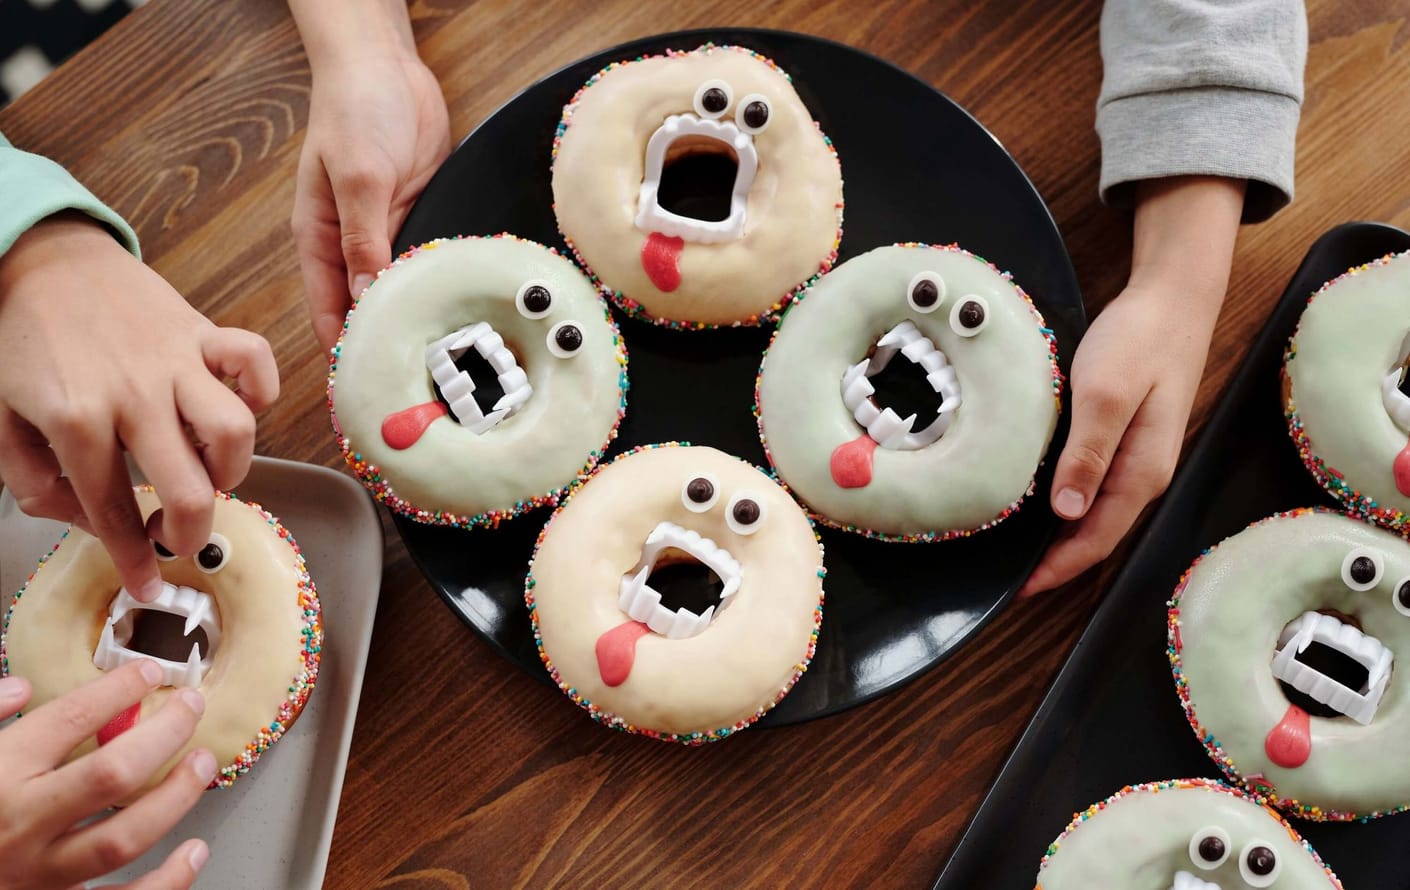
(349, 32)
(1183, 236)
(53, 240)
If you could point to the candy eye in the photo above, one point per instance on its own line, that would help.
(565, 339)
(700, 494)
(534, 299)
(926, 292)
(1362, 569)
(1209, 847)
(163, 554)
(214, 555)
(753, 114)
(712, 98)
(1258, 864)
(1400, 598)
(970, 315)
(745, 514)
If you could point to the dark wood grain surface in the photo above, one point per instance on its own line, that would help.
(187, 118)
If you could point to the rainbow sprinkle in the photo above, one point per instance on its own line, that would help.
(371, 476)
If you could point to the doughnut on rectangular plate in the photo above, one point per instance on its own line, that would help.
(272, 828)
(1112, 717)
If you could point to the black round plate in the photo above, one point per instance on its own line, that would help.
(917, 168)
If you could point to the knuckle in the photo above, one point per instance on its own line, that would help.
(188, 503)
(112, 850)
(1103, 399)
(359, 243)
(1087, 459)
(357, 175)
(114, 516)
(111, 777)
(75, 718)
(74, 419)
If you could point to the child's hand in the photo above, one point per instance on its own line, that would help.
(377, 130)
(1135, 374)
(101, 355)
(42, 802)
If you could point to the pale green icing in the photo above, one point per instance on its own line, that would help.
(1349, 338)
(982, 465)
(382, 370)
(1238, 600)
(1141, 839)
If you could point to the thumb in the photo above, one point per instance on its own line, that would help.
(1099, 419)
(363, 200)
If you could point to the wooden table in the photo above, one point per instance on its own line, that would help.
(188, 117)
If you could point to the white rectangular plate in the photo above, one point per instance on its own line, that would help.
(273, 827)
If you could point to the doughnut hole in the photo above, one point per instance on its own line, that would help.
(684, 581)
(162, 635)
(697, 178)
(1328, 661)
(487, 387)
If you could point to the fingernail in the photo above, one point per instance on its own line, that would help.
(11, 688)
(151, 671)
(149, 592)
(1069, 503)
(204, 765)
(194, 700)
(360, 284)
(199, 854)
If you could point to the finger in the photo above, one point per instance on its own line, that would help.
(363, 197)
(223, 426)
(178, 871)
(167, 456)
(122, 837)
(1100, 416)
(30, 469)
(118, 769)
(47, 734)
(98, 472)
(14, 695)
(245, 357)
(316, 235)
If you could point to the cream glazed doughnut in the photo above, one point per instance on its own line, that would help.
(1186, 834)
(1284, 642)
(766, 215)
(623, 630)
(953, 454)
(240, 621)
(475, 379)
(1346, 393)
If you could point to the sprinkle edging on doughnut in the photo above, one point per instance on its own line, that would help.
(1210, 785)
(926, 537)
(633, 308)
(608, 718)
(1262, 792)
(300, 687)
(1356, 503)
(370, 475)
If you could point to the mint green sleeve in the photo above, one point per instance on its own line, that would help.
(34, 187)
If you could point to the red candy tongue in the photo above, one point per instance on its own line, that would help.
(404, 428)
(661, 258)
(120, 724)
(1402, 471)
(851, 462)
(1289, 744)
(616, 650)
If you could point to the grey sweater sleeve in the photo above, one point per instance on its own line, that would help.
(1202, 87)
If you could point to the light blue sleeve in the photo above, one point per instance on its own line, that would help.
(34, 187)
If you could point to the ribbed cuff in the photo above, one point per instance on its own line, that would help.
(33, 188)
(1210, 131)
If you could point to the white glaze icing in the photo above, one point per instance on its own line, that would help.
(1002, 378)
(1352, 334)
(1141, 841)
(1232, 615)
(573, 403)
(788, 201)
(725, 672)
(56, 624)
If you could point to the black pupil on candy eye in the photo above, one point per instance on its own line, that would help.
(1261, 860)
(1211, 849)
(1403, 594)
(537, 299)
(972, 314)
(568, 338)
(210, 556)
(746, 512)
(1363, 570)
(756, 114)
(161, 551)
(924, 294)
(700, 490)
(714, 100)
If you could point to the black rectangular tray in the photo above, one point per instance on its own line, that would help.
(1112, 717)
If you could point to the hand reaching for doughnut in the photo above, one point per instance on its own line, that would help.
(1135, 374)
(42, 803)
(103, 355)
(377, 130)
